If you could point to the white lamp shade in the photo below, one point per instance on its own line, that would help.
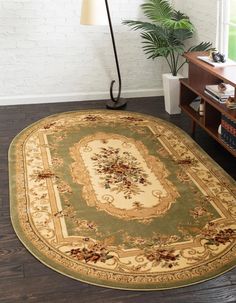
(93, 12)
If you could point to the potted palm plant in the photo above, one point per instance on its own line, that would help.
(165, 36)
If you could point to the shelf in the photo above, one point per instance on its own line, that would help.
(194, 115)
(200, 92)
(200, 75)
(214, 133)
(220, 107)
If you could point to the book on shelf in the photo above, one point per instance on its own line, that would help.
(228, 131)
(219, 95)
(218, 99)
(229, 90)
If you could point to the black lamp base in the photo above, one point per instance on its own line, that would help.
(116, 105)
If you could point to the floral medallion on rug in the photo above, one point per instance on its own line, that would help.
(121, 200)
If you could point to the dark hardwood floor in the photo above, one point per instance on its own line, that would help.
(25, 279)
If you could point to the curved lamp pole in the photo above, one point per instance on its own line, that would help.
(93, 13)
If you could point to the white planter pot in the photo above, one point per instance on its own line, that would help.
(171, 88)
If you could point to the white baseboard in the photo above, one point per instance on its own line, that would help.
(67, 97)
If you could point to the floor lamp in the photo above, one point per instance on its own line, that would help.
(96, 12)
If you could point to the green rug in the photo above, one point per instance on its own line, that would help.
(121, 200)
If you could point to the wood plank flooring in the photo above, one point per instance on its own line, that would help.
(25, 279)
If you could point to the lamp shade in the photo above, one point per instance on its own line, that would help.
(93, 12)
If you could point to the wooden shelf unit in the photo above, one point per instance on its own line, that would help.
(200, 75)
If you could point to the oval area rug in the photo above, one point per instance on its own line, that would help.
(121, 200)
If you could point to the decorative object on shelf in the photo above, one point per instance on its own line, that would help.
(222, 87)
(124, 200)
(164, 37)
(201, 108)
(96, 12)
(195, 104)
(231, 103)
(217, 57)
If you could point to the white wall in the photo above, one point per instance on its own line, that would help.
(46, 55)
(203, 14)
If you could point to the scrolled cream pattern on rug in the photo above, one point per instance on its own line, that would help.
(59, 229)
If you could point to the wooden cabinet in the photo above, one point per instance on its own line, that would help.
(200, 75)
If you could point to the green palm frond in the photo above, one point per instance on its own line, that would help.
(182, 34)
(147, 27)
(154, 39)
(155, 47)
(157, 10)
(203, 46)
(144, 26)
(178, 24)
